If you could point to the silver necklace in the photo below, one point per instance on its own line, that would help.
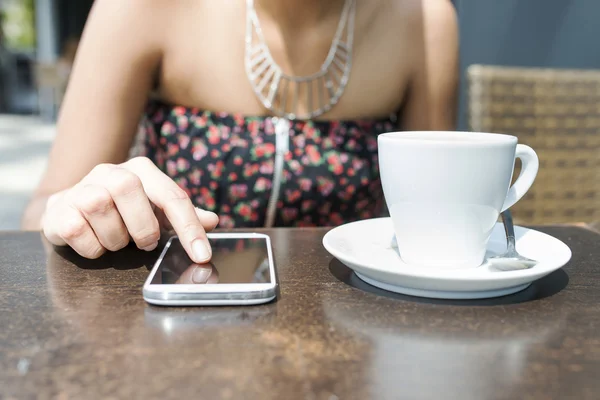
(322, 90)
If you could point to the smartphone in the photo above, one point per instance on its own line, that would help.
(241, 272)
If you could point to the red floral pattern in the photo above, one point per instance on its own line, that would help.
(225, 163)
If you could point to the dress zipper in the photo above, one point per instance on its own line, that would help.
(282, 145)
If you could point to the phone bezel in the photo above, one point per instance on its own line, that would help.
(212, 294)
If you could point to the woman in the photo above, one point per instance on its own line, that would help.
(299, 90)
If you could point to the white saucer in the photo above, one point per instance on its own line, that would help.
(365, 247)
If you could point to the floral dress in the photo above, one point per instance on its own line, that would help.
(257, 171)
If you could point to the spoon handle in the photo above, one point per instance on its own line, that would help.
(509, 229)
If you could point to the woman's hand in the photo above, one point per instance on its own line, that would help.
(114, 204)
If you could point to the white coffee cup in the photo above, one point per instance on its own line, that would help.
(445, 191)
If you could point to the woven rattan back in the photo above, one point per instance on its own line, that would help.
(557, 112)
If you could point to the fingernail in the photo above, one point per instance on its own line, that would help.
(205, 212)
(151, 247)
(201, 275)
(200, 250)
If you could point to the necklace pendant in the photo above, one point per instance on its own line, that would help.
(272, 86)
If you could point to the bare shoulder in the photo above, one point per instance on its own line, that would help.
(427, 26)
(431, 22)
(138, 12)
(441, 10)
(136, 18)
(438, 14)
(440, 19)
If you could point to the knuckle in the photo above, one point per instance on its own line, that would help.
(70, 196)
(73, 228)
(51, 234)
(192, 229)
(95, 201)
(147, 236)
(54, 199)
(177, 194)
(103, 168)
(141, 162)
(123, 182)
(119, 244)
(94, 252)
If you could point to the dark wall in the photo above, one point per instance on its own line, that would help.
(536, 33)
(72, 15)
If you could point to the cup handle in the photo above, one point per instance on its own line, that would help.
(529, 170)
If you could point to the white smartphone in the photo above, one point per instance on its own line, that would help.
(241, 272)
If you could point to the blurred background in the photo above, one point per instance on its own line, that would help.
(38, 41)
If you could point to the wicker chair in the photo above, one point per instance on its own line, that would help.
(557, 112)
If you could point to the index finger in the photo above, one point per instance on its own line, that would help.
(177, 206)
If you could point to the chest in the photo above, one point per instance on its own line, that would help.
(204, 63)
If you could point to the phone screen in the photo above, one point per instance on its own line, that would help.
(234, 260)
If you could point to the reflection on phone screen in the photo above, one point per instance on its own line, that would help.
(233, 261)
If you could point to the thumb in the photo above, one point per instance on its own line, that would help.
(208, 219)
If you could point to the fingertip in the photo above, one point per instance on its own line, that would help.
(209, 219)
(152, 247)
(93, 254)
(201, 251)
(205, 213)
(213, 224)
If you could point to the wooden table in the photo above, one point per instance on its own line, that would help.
(74, 328)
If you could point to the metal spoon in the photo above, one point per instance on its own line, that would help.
(510, 260)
